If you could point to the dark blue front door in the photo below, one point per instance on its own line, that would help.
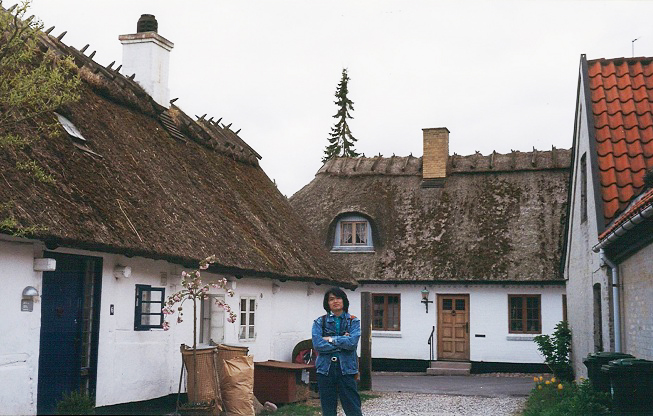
(62, 329)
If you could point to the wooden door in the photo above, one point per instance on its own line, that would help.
(453, 327)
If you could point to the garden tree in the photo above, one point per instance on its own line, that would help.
(33, 84)
(341, 141)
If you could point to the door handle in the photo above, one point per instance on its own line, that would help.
(467, 327)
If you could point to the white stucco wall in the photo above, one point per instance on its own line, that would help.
(19, 345)
(488, 316)
(138, 365)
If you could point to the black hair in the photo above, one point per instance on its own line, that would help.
(339, 293)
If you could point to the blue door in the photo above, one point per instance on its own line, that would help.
(68, 329)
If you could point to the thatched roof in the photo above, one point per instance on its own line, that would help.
(497, 218)
(155, 183)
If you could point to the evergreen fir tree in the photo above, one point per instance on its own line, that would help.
(341, 141)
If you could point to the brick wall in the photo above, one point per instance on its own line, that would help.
(637, 284)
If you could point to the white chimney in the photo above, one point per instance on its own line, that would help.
(147, 54)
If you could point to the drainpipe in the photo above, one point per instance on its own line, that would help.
(614, 271)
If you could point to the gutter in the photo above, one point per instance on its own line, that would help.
(621, 230)
(614, 272)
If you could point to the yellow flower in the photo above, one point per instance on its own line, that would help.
(560, 386)
(535, 379)
(547, 382)
(539, 387)
(553, 379)
(541, 378)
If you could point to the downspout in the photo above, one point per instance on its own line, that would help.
(616, 315)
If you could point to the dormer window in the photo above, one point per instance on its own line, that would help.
(353, 233)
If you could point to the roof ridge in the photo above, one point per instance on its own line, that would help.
(150, 107)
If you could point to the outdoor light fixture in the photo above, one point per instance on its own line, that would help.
(425, 298)
(122, 272)
(30, 292)
(27, 301)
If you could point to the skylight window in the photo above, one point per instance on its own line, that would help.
(79, 141)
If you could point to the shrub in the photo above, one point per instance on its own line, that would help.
(76, 403)
(555, 398)
(555, 349)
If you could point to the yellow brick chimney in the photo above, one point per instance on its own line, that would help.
(436, 155)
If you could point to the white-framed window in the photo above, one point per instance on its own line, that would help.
(212, 322)
(247, 315)
(353, 233)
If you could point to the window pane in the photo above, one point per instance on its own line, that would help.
(251, 332)
(346, 233)
(251, 318)
(361, 233)
(516, 326)
(243, 332)
(243, 319)
(156, 295)
(460, 304)
(252, 305)
(447, 304)
(243, 305)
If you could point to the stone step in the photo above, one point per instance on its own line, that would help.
(449, 368)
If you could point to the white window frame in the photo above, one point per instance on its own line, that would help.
(208, 310)
(337, 246)
(245, 335)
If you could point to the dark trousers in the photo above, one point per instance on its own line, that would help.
(337, 385)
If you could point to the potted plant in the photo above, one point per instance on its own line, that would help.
(202, 382)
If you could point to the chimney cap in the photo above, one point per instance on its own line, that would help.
(147, 23)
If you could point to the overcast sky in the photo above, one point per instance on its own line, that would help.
(500, 75)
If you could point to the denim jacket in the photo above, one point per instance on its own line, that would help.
(343, 346)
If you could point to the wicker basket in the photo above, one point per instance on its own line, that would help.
(227, 352)
(205, 378)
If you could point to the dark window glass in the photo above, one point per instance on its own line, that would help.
(148, 307)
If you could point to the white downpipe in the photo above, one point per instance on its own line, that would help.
(615, 300)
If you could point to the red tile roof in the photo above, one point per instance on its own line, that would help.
(622, 105)
(645, 201)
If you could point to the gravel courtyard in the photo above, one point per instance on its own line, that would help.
(390, 404)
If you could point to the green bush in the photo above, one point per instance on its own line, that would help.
(556, 349)
(554, 398)
(76, 403)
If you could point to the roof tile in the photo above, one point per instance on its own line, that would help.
(622, 106)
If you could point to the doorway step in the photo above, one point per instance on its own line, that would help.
(449, 368)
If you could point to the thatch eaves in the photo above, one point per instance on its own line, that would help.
(498, 218)
(158, 184)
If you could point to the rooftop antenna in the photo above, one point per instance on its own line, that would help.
(632, 43)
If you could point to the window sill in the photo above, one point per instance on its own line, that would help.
(521, 337)
(361, 249)
(386, 334)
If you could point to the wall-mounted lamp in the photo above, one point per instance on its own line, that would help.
(425, 298)
(122, 272)
(45, 265)
(310, 290)
(27, 302)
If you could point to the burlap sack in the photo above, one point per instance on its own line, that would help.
(237, 385)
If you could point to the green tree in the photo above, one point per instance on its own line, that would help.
(341, 141)
(33, 84)
(556, 349)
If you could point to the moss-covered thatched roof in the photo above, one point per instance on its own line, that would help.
(158, 184)
(498, 218)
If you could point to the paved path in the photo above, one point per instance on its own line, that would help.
(474, 385)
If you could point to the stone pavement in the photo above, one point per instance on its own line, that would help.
(473, 385)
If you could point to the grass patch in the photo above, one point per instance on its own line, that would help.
(311, 407)
(553, 398)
